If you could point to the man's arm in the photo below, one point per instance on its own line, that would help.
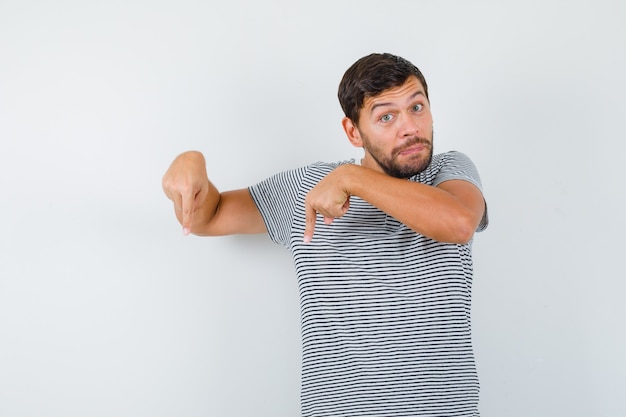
(450, 212)
(200, 208)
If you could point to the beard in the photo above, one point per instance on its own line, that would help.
(391, 166)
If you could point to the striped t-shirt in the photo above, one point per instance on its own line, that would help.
(385, 311)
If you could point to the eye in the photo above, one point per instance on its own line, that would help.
(386, 117)
(418, 107)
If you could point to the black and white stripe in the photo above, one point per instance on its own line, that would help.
(385, 311)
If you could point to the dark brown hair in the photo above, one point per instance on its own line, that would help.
(370, 76)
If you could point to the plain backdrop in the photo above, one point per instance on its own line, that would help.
(106, 309)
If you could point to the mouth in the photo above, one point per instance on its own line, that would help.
(414, 148)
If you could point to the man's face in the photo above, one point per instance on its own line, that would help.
(396, 130)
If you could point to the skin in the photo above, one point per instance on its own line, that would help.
(395, 130)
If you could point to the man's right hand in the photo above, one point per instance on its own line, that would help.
(186, 183)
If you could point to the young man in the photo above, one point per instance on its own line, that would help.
(382, 251)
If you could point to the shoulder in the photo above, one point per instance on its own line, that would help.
(449, 165)
(315, 170)
(300, 176)
(451, 158)
(326, 167)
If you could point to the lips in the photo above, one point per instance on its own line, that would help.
(412, 149)
(416, 146)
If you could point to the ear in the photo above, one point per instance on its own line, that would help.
(352, 131)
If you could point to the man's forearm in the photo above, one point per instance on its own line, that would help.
(435, 212)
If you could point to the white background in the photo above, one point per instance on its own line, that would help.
(107, 310)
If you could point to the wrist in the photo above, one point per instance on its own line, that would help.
(350, 175)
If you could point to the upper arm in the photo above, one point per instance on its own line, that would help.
(469, 196)
(236, 213)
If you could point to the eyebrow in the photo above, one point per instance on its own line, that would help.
(413, 96)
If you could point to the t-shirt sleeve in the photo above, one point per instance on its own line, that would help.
(458, 166)
(276, 198)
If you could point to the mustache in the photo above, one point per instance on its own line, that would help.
(415, 140)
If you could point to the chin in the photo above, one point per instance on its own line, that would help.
(408, 170)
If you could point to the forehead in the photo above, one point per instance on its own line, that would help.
(396, 95)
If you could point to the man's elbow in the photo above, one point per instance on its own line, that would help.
(457, 232)
(457, 228)
(463, 237)
(463, 230)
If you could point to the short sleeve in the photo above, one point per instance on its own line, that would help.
(456, 165)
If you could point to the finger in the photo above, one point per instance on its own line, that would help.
(187, 201)
(177, 205)
(309, 223)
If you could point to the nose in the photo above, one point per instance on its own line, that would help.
(409, 126)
